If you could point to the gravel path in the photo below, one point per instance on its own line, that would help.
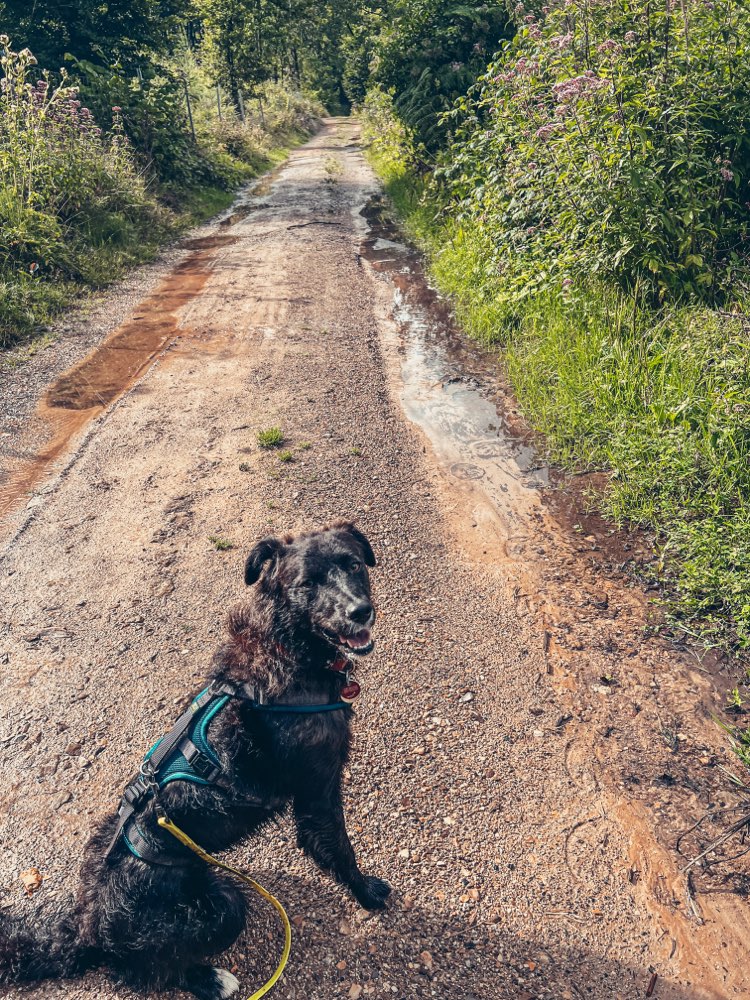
(484, 784)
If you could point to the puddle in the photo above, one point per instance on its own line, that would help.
(450, 387)
(453, 389)
(82, 393)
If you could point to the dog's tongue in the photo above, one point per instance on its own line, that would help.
(358, 641)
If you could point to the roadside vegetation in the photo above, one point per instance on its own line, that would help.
(584, 200)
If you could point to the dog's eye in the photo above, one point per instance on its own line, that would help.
(356, 566)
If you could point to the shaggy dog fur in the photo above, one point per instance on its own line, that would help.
(155, 925)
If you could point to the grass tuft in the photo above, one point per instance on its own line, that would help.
(220, 544)
(271, 437)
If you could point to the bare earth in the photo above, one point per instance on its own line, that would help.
(525, 756)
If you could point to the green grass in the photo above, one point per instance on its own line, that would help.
(220, 544)
(286, 456)
(659, 399)
(271, 437)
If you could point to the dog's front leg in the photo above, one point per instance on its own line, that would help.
(321, 833)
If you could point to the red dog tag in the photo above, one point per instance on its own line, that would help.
(350, 692)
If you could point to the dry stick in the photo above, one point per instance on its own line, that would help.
(301, 225)
(707, 815)
(689, 895)
(734, 828)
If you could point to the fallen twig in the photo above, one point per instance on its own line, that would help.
(301, 225)
(734, 828)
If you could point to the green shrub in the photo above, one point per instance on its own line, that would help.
(271, 437)
(612, 139)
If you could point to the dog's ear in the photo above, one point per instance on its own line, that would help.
(360, 537)
(265, 549)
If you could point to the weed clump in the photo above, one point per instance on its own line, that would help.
(220, 544)
(271, 437)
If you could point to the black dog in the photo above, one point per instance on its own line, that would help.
(147, 907)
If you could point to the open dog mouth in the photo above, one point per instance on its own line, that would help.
(360, 642)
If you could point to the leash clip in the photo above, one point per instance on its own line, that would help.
(146, 771)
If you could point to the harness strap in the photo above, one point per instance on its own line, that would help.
(334, 706)
(168, 743)
(148, 850)
(135, 795)
(145, 784)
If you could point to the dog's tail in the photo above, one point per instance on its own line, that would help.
(45, 945)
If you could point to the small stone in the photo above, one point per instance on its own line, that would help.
(341, 965)
(404, 853)
(426, 959)
(61, 799)
(355, 992)
(73, 749)
(345, 927)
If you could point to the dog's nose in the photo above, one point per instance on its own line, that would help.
(360, 613)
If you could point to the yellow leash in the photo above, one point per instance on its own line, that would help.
(166, 823)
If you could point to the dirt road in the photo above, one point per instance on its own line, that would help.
(525, 755)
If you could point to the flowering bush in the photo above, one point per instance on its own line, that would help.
(613, 139)
(58, 170)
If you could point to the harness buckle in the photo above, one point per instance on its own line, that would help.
(203, 766)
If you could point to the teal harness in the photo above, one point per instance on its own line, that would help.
(193, 759)
(185, 754)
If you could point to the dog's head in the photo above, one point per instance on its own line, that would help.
(322, 578)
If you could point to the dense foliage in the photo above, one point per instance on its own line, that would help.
(428, 53)
(618, 144)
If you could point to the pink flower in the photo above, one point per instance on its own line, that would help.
(546, 131)
(561, 41)
(726, 174)
(630, 36)
(609, 46)
(117, 109)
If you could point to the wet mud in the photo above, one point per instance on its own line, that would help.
(85, 391)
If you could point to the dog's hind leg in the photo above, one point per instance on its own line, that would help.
(321, 833)
(208, 983)
(173, 929)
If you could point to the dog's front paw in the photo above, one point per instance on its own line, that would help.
(372, 892)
